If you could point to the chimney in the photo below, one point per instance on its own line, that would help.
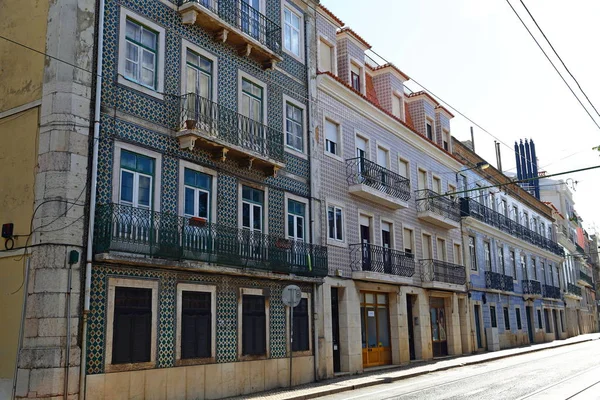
(498, 157)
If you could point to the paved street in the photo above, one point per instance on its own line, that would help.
(570, 372)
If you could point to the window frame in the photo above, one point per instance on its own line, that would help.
(300, 153)
(506, 315)
(308, 352)
(286, 5)
(446, 140)
(265, 206)
(287, 197)
(441, 239)
(330, 240)
(361, 75)
(213, 190)
(113, 282)
(411, 231)
(158, 90)
(338, 155)
(194, 287)
(187, 45)
(493, 316)
(402, 160)
(513, 255)
(487, 252)
(429, 121)
(253, 292)
(457, 253)
(241, 76)
(400, 96)
(472, 254)
(391, 224)
(518, 318)
(333, 55)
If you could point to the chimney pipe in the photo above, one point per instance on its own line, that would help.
(518, 159)
(472, 140)
(498, 157)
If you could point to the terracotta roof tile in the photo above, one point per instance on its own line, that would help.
(332, 15)
(422, 92)
(356, 35)
(390, 65)
(446, 110)
(371, 93)
(408, 117)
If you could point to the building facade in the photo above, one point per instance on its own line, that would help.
(512, 256)
(203, 212)
(396, 288)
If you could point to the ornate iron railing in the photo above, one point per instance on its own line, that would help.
(471, 208)
(498, 281)
(362, 171)
(552, 292)
(531, 287)
(369, 257)
(574, 289)
(245, 18)
(227, 125)
(134, 230)
(441, 271)
(428, 200)
(586, 278)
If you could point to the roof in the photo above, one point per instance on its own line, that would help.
(392, 66)
(549, 203)
(371, 93)
(424, 93)
(331, 15)
(346, 29)
(446, 111)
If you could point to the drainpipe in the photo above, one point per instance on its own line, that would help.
(92, 210)
(316, 330)
(22, 328)
(68, 341)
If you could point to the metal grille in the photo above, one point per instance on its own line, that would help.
(369, 257)
(532, 287)
(574, 289)
(495, 280)
(362, 171)
(551, 291)
(441, 271)
(428, 200)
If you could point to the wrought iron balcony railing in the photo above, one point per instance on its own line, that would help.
(362, 171)
(552, 292)
(442, 271)
(532, 287)
(226, 125)
(498, 281)
(428, 200)
(369, 257)
(586, 278)
(134, 230)
(574, 289)
(471, 208)
(240, 15)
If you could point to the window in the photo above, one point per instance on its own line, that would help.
(524, 268)
(506, 319)
(252, 100)
(451, 191)
(446, 140)
(196, 328)
(404, 168)
(513, 263)
(457, 254)
(132, 325)
(362, 147)
(301, 340)
(437, 185)
(543, 229)
(525, 219)
(503, 208)
(334, 226)
(355, 77)
(422, 179)
(294, 130)
(141, 54)
(515, 213)
(472, 255)
(325, 57)
(429, 129)
(562, 320)
(254, 325)
(518, 315)
(296, 216)
(463, 183)
(488, 258)
(197, 194)
(501, 264)
(426, 247)
(252, 208)
(539, 318)
(397, 106)
(547, 320)
(332, 137)
(199, 72)
(408, 239)
(543, 268)
(136, 176)
(441, 250)
(292, 38)
(493, 316)
(534, 267)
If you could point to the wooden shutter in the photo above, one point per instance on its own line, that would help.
(196, 329)
(132, 329)
(254, 330)
(301, 331)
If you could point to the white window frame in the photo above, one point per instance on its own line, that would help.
(199, 50)
(265, 189)
(408, 170)
(116, 184)
(340, 144)
(446, 135)
(412, 240)
(367, 139)
(487, 256)
(304, 153)
(285, 5)
(160, 55)
(240, 77)
(193, 287)
(430, 121)
(333, 241)
(361, 69)
(476, 269)
(333, 54)
(438, 178)
(113, 282)
(253, 292)
(431, 255)
(308, 352)
(392, 231)
(388, 157)
(400, 96)
(457, 256)
(213, 189)
(419, 170)
(288, 196)
(444, 249)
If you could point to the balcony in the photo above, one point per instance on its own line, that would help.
(381, 264)
(585, 279)
(235, 22)
(497, 281)
(443, 275)
(573, 290)
(373, 182)
(532, 288)
(471, 208)
(551, 292)
(437, 210)
(133, 230)
(225, 134)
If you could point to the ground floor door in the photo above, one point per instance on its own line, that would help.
(529, 312)
(375, 329)
(477, 312)
(335, 328)
(437, 313)
(555, 317)
(411, 329)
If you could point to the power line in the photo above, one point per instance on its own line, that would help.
(553, 65)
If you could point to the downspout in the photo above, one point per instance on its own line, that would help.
(92, 210)
(22, 328)
(68, 341)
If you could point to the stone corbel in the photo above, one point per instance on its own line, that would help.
(220, 154)
(222, 35)
(247, 162)
(187, 142)
(189, 17)
(245, 50)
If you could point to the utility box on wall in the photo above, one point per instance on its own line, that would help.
(493, 342)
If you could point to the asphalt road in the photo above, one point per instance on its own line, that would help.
(570, 372)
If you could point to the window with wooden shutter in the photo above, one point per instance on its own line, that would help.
(254, 325)
(132, 328)
(301, 327)
(195, 325)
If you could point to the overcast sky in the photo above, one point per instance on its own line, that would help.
(476, 55)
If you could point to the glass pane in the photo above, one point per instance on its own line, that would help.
(192, 57)
(290, 225)
(127, 186)
(257, 218)
(331, 220)
(144, 191)
(189, 201)
(206, 64)
(148, 60)
(145, 164)
(295, 43)
(203, 204)
(189, 177)
(147, 77)
(383, 325)
(203, 181)
(128, 160)
(204, 86)
(300, 228)
(131, 70)
(435, 334)
(132, 52)
(381, 298)
(149, 39)
(246, 215)
(338, 221)
(133, 30)
(369, 298)
(363, 329)
(246, 193)
(372, 327)
(287, 37)
(442, 323)
(191, 80)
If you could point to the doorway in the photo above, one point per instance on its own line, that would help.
(335, 328)
(437, 312)
(555, 317)
(477, 312)
(411, 328)
(529, 312)
(375, 329)
(365, 240)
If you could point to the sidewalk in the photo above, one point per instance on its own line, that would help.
(352, 382)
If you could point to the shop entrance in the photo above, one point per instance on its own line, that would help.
(438, 327)
(375, 329)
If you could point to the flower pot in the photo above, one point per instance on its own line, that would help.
(190, 124)
(197, 221)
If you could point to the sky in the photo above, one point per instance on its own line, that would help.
(477, 56)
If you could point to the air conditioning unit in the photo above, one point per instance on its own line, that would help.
(493, 342)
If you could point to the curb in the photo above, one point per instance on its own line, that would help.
(348, 388)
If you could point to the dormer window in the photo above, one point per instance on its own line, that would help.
(325, 57)
(355, 77)
(446, 140)
(429, 129)
(397, 106)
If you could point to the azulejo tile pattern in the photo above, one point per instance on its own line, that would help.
(228, 289)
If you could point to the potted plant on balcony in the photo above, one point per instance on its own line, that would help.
(198, 221)
(190, 123)
(283, 244)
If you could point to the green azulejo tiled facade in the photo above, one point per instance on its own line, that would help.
(202, 213)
